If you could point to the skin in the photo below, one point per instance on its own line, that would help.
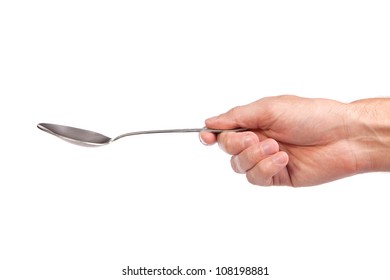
(295, 141)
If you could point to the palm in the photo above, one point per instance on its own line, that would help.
(312, 165)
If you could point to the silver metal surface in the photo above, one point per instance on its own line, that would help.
(87, 138)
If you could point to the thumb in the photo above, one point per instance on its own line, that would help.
(248, 116)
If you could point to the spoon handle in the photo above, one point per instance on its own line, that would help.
(180, 130)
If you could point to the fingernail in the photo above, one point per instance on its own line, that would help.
(201, 140)
(238, 165)
(268, 148)
(279, 159)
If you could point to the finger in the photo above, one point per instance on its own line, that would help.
(249, 157)
(207, 138)
(262, 173)
(247, 116)
(235, 142)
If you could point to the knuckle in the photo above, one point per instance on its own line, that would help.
(235, 113)
(251, 179)
(235, 110)
(222, 141)
(228, 142)
(255, 154)
(258, 176)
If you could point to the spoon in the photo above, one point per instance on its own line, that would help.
(89, 138)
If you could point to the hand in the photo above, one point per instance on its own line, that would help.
(294, 141)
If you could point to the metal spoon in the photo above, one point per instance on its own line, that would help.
(89, 138)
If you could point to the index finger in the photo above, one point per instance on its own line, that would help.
(235, 142)
(207, 138)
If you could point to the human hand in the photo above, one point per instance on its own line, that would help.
(292, 141)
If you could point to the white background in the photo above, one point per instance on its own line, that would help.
(68, 212)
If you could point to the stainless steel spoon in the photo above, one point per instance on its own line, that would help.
(89, 138)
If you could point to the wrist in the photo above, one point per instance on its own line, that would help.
(368, 130)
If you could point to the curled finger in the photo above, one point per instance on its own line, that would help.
(252, 155)
(263, 172)
(235, 142)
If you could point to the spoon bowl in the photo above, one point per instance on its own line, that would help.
(88, 138)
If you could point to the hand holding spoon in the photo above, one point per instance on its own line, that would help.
(89, 138)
